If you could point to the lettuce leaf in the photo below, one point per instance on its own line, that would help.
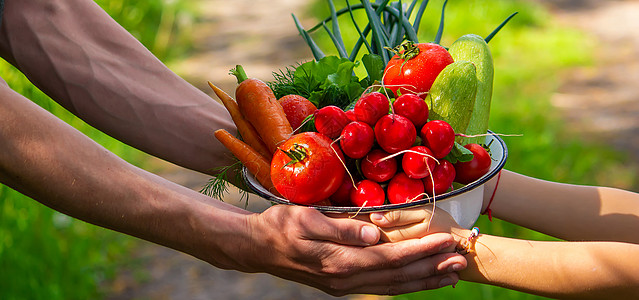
(328, 81)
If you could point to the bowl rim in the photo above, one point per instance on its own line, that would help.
(386, 207)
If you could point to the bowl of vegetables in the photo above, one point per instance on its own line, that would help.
(463, 203)
(404, 125)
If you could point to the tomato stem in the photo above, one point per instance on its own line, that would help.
(406, 51)
(297, 153)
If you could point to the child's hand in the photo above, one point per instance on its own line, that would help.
(405, 224)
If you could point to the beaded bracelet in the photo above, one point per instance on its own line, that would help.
(468, 245)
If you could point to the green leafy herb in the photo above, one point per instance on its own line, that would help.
(283, 84)
(328, 81)
(374, 67)
(217, 186)
(459, 154)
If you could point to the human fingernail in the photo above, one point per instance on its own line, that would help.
(369, 234)
(455, 268)
(445, 245)
(377, 217)
(446, 281)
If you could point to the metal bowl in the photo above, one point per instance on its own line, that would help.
(463, 204)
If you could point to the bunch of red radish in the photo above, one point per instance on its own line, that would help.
(392, 151)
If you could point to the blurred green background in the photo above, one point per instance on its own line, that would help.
(47, 255)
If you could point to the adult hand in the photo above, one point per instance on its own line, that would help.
(342, 256)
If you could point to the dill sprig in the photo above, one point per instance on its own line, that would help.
(284, 83)
(218, 186)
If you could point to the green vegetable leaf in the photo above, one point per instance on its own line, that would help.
(283, 83)
(343, 75)
(308, 124)
(459, 154)
(331, 94)
(329, 81)
(217, 186)
(310, 76)
(374, 66)
(317, 52)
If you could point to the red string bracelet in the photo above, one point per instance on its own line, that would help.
(488, 210)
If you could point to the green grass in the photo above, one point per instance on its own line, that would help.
(530, 54)
(45, 254)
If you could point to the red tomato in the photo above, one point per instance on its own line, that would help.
(296, 108)
(307, 169)
(416, 67)
(467, 172)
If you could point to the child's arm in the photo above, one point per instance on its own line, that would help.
(567, 211)
(579, 270)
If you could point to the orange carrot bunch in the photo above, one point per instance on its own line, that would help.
(260, 120)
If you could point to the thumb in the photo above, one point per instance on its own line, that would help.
(342, 230)
(400, 217)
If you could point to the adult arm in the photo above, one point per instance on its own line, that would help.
(49, 161)
(566, 211)
(78, 55)
(566, 270)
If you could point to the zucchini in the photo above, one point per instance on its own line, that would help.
(473, 48)
(452, 96)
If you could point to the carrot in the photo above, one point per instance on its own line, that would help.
(253, 161)
(247, 131)
(259, 105)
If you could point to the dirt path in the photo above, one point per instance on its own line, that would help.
(258, 34)
(601, 101)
